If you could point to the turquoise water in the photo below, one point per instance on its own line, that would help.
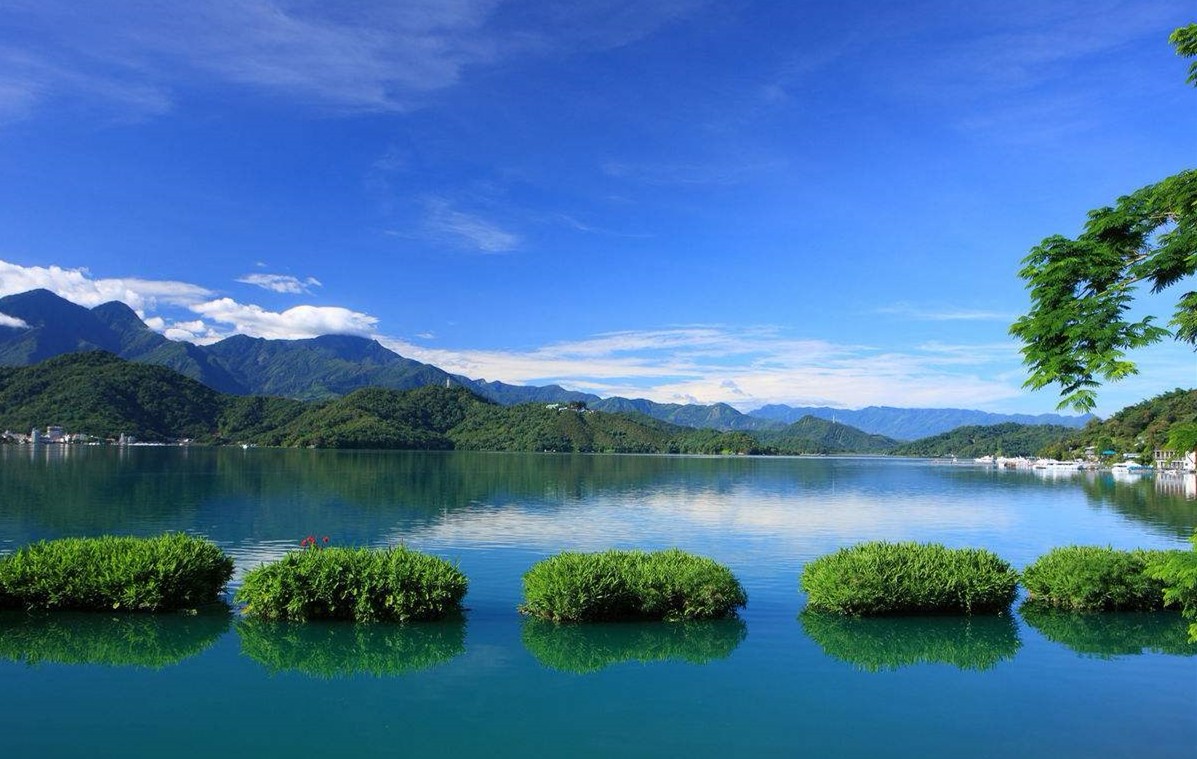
(773, 683)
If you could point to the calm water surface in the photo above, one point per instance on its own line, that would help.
(773, 683)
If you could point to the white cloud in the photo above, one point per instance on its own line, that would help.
(745, 367)
(77, 286)
(459, 229)
(281, 283)
(149, 297)
(294, 323)
(12, 321)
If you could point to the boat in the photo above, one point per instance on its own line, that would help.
(1129, 468)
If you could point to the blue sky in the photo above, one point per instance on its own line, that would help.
(752, 202)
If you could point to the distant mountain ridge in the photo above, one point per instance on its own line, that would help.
(911, 423)
(332, 366)
(328, 366)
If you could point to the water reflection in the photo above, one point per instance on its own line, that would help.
(1109, 634)
(585, 648)
(876, 644)
(126, 640)
(1161, 500)
(344, 649)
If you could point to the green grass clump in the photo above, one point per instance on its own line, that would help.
(1177, 570)
(361, 584)
(878, 644)
(329, 650)
(582, 649)
(164, 573)
(1093, 578)
(153, 641)
(909, 578)
(630, 585)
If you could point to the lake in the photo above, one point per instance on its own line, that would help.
(491, 683)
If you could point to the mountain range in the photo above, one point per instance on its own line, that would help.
(912, 423)
(45, 325)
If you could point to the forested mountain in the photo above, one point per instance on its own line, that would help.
(910, 423)
(321, 367)
(719, 416)
(813, 435)
(103, 396)
(971, 441)
(1140, 428)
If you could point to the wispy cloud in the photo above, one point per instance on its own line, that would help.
(446, 224)
(944, 314)
(746, 367)
(12, 322)
(281, 283)
(341, 57)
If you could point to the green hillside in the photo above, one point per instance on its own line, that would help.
(1009, 439)
(811, 434)
(1140, 428)
(104, 396)
(98, 394)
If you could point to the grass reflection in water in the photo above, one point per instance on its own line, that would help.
(119, 640)
(877, 644)
(590, 647)
(344, 649)
(1111, 634)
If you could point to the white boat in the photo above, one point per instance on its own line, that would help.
(1130, 468)
(1053, 467)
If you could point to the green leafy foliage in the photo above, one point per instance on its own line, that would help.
(329, 650)
(875, 644)
(153, 641)
(1076, 332)
(908, 578)
(1093, 578)
(1112, 634)
(1177, 570)
(172, 571)
(585, 648)
(629, 585)
(1009, 439)
(361, 584)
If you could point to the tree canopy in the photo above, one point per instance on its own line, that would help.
(1076, 332)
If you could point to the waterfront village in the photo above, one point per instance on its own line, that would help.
(57, 435)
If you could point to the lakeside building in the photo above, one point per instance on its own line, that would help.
(1171, 461)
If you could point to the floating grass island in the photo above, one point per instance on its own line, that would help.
(630, 585)
(360, 584)
(909, 578)
(1093, 578)
(127, 574)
